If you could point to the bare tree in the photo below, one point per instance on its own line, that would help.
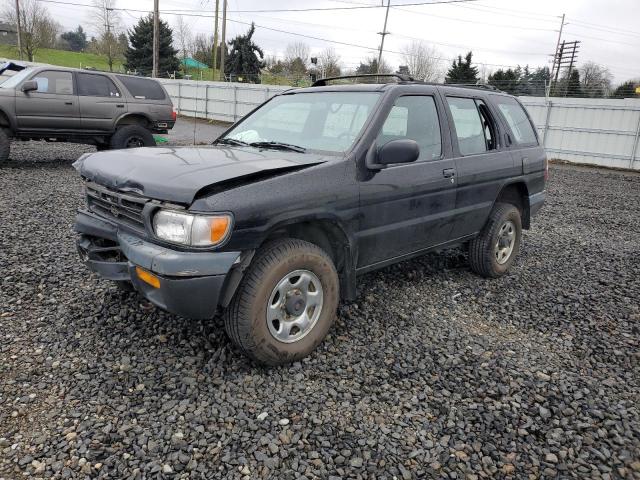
(39, 30)
(297, 50)
(423, 61)
(108, 24)
(595, 79)
(329, 62)
(182, 36)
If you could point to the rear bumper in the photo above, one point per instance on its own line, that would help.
(190, 283)
(536, 201)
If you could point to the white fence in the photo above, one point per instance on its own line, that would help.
(596, 131)
(589, 130)
(226, 102)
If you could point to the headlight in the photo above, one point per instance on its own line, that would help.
(191, 229)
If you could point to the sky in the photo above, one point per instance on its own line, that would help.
(501, 33)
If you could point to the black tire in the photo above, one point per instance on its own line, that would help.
(483, 254)
(5, 146)
(245, 319)
(132, 136)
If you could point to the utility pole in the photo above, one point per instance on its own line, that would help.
(223, 44)
(556, 56)
(383, 33)
(156, 38)
(19, 24)
(215, 40)
(109, 39)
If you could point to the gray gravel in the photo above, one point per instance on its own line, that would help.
(433, 372)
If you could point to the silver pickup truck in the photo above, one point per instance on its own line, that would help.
(57, 104)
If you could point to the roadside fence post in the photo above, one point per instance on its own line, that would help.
(634, 149)
(235, 103)
(206, 101)
(546, 123)
(179, 97)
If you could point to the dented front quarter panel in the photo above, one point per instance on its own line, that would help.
(328, 192)
(179, 174)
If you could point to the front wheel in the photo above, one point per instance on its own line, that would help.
(494, 250)
(285, 304)
(132, 136)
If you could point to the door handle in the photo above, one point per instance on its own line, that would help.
(120, 105)
(449, 172)
(68, 103)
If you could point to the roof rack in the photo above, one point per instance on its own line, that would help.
(482, 86)
(322, 82)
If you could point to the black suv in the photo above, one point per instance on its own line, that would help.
(275, 220)
(58, 104)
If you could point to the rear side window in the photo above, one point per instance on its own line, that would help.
(143, 87)
(416, 118)
(96, 86)
(60, 83)
(475, 129)
(517, 119)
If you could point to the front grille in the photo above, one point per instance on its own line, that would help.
(120, 207)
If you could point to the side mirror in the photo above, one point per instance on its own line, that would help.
(29, 86)
(398, 151)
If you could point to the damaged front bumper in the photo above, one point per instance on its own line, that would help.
(190, 284)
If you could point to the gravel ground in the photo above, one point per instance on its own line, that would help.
(433, 372)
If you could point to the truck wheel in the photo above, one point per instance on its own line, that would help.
(132, 136)
(285, 303)
(493, 251)
(5, 146)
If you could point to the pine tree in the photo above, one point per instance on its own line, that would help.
(243, 63)
(574, 87)
(139, 54)
(627, 90)
(462, 71)
(77, 39)
(505, 80)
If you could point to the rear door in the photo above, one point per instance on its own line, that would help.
(528, 155)
(405, 208)
(101, 102)
(483, 163)
(53, 107)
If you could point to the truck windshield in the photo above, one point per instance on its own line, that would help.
(15, 79)
(329, 121)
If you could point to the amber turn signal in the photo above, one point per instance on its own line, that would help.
(219, 228)
(148, 277)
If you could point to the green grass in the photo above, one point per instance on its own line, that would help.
(64, 58)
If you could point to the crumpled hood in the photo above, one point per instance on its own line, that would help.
(177, 174)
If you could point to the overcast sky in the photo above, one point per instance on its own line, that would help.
(501, 33)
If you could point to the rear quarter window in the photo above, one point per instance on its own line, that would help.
(143, 88)
(517, 119)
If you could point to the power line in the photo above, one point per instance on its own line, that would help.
(475, 22)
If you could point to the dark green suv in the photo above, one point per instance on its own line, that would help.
(57, 104)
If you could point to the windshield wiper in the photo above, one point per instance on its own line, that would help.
(278, 146)
(230, 141)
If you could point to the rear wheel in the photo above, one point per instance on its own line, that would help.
(5, 146)
(132, 136)
(493, 251)
(285, 304)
